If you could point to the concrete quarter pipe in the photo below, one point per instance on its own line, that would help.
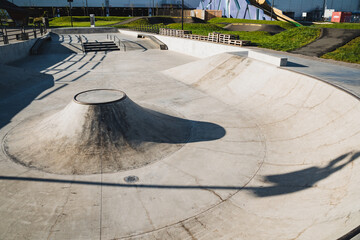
(226, 147)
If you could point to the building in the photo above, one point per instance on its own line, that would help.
(297, 9)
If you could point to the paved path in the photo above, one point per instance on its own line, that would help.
(330, 39)
(126, 21)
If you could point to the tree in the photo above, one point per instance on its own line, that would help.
(3, 16)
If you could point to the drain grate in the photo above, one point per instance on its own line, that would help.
(131, 179)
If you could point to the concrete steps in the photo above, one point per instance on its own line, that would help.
(100, 46)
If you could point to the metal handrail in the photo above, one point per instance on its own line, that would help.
(117, 41)
(81, 41)
(148, 28)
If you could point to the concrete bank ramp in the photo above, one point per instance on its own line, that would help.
(307, 186)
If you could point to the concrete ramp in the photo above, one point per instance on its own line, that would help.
(100, 131)
(307, 187)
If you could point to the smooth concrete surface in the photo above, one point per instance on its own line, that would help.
(15, 51)
(276, 159)
(343, 75)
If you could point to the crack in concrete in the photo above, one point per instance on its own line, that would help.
(188, 231)
(61, 212)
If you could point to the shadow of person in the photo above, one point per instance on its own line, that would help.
(302, 179)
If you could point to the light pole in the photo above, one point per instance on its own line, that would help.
(182, 15)
(272, 5)
(87, 10)
(71, 19)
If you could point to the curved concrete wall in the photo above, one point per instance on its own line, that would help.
(15, 51)
(309, 178)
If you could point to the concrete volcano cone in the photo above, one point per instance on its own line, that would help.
(100, 131)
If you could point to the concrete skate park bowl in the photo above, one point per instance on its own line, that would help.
(222, 147)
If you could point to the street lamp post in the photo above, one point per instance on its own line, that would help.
(324, 8)
(182, 15)
(71, 18)
(272, 5)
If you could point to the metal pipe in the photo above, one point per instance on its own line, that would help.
(71, 16)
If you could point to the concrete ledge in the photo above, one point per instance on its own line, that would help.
(277, 61)
(15, 51)
(84, 30)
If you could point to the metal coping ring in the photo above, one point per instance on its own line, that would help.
(100, 103)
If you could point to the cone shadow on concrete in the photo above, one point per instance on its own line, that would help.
(102, 131)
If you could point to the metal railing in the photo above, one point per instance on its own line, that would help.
(81, 42)
(117, 41)
(147, 28)
(212, 37)
(13, 34)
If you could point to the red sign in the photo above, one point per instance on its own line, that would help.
(340, 17)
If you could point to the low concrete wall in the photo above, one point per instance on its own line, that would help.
(191, 47)
(197, 48)
(15, 51)
(202, 49)
(84, 30)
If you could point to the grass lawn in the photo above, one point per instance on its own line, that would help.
(284, 25)
(288, 40)
(338, 25)
(80, 21)
(291, 39)
(350, 52)
(135, 23)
